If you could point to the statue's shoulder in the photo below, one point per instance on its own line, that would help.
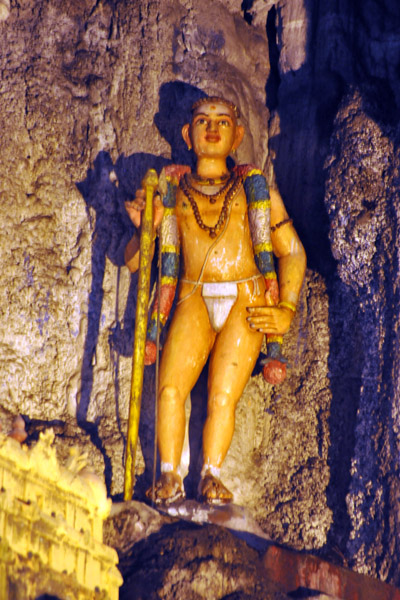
(168, 182)
(246, 171)
(174, 173)
(254, 183)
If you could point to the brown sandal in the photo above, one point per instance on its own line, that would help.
(168, 489)
(213, 491)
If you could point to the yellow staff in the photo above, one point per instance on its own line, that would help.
(149, 183)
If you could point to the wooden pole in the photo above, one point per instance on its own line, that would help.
(149, 183)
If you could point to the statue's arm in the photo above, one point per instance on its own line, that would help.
(134, 209)
(170, 251)
(289, 250)
(131, 254)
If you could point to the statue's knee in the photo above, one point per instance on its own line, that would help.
(220, 402)
(169, 395)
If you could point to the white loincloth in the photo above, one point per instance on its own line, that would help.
(219, 298)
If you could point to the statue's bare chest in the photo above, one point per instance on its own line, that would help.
(199, 213)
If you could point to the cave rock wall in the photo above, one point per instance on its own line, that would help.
(95, 92)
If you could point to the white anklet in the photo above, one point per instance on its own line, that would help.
(215, 471)
(169, 467)
(166, 467)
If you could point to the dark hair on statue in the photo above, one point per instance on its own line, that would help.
(216, 99)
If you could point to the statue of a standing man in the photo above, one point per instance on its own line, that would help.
(224, 225)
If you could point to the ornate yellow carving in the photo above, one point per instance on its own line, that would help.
(51, 525)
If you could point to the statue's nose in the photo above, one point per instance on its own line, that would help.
(212, 126)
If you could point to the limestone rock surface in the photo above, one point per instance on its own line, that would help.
(362, 199)
(162, 557)
(93, 93)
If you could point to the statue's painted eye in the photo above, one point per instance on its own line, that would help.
(224, 123)
(201, 121)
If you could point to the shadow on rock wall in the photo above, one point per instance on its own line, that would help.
(304, 104)
(105, 189)
(364, 234)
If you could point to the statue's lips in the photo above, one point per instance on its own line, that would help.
(211, 137)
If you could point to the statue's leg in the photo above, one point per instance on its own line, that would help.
(189, 341)
(232, 361)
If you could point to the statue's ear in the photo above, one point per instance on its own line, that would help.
(239, 133)
(186, 135)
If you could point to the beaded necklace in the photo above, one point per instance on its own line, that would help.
(211, 197)
(230, 190)
(209, 180)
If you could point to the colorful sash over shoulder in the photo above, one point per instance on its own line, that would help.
(259, 209)
(170, 248)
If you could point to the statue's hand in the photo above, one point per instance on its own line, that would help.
(135, 207)
(270, 319)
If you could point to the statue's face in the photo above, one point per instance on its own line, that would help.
(213, 130)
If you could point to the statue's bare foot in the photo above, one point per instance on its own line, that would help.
(213, 491)
(168, 489)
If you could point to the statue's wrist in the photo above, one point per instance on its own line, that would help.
(288, 305)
